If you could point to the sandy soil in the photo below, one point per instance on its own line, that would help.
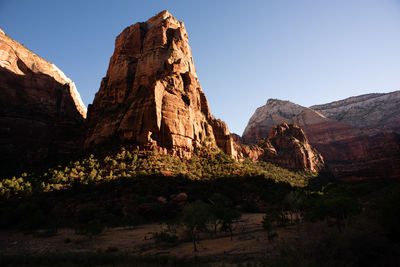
(249, 241)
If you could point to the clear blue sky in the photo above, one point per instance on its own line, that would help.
(308, 51)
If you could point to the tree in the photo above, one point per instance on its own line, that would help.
(214, 219)
(220, 202)
(336, 207)
(195, 217)
(228, 216)
(387, 210)
(132, 218)
(341, 208)
(268, 223)
(294, 203)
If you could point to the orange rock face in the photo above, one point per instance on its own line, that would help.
(151, 95)
(41, 112)
(286, 146)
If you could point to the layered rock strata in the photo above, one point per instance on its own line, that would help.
(41, 111)
(287, 146)
(372, 112)
(151, 95)
(353, 149)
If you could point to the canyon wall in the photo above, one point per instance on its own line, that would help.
(355, 145)
(41, 111)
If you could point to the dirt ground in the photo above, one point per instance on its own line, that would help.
(249, 241)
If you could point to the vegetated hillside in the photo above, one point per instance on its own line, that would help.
(352, 224)
(129, 188)
(147, 182)
(209, 163)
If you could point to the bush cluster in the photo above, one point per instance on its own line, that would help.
(207, 163)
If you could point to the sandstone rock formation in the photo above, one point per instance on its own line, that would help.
(276, 112)
(372, 112)
(292, 149)
(317, 127)
(287, 146)
(237, 138)
(358, 149)
(151, 95)
(363, 157)
(41, 112)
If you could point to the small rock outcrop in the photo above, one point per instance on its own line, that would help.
(292, 149)
(286, 146)
(41, 111)
(151, 95)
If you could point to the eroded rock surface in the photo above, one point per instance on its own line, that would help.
(275, 112)
(287, 146)
(41, 111)
(372, 112)
(353, 145)
(151, 95)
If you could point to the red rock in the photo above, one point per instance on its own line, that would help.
(286, 146)
(237, 138)
(181, 197)
(177, 201)
(365, 157)
(41, 112)
(151, 95)
(292, 150)
(252, 152)
(162, 200)
(348, 150)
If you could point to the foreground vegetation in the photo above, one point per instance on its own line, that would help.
(207, 164)
(203, 196)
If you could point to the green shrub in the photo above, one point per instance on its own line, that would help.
(207, 163)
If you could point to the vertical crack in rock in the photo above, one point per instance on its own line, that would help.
(152, 96)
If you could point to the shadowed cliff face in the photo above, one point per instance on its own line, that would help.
(287, 146)
(41, 113)
(351, 151)
(151, 95)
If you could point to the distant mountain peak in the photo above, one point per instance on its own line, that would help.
(377, 110)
